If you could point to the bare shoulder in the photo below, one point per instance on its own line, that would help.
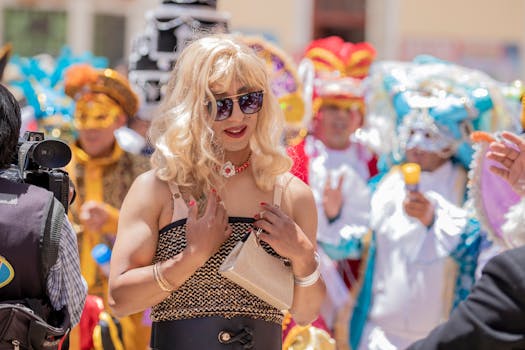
(295, 189)
(149, 181)
(148, 189)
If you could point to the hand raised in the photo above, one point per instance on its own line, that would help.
(510, 156)
(333, 197)
(282, 233)
(205, 234)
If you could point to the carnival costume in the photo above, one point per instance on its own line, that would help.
(482, 321)
(101, 96)
(332, 74)
(410, 267)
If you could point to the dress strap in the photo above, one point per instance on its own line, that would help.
(278, 190)
(179, 206)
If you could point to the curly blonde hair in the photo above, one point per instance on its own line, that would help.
(185, 149)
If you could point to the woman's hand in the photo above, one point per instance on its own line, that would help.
(283, 234)
(511, 158)
(205, 234)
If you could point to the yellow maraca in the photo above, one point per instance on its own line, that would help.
(411, 172)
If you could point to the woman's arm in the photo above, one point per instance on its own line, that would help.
(132, 283)
(294, 237)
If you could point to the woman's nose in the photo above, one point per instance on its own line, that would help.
(237, 114)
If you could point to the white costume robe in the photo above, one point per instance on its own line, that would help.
(353, 221)
(412, 283)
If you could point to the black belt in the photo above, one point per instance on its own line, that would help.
(216, 333)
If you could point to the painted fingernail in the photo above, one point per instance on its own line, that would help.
(263, 203)
(191, 203)
(256, 216)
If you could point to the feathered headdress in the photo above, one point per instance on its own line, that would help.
(41, 79)
(455, 99)
(340, 68)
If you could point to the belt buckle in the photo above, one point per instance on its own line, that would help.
(244, 337)
(224, 337)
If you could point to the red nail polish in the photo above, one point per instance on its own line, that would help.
(191, 203)
(263, 203)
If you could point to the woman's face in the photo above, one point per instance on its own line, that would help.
(233, 133)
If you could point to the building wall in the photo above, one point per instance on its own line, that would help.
(288, 22)
(482, 34)
(485, 31)
(477, 19)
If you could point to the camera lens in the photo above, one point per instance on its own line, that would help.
(51, 154)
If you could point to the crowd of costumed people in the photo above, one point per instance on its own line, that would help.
(396, 154)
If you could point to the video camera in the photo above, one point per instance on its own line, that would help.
(37, 161)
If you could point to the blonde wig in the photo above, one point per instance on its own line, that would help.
(186, 152)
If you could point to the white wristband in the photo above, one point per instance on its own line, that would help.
(312, 278)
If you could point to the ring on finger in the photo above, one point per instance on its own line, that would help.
(258, 232)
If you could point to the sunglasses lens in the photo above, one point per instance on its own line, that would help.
(224, 109)
(251, 103)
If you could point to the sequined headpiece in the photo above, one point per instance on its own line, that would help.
(340, 68)
(456, 100)
(99, 93)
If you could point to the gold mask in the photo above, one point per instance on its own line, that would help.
(96, 111)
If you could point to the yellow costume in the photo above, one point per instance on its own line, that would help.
(102, 97)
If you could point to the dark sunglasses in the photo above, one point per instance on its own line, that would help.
(249, 103)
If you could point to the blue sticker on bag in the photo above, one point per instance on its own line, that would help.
(6, 272)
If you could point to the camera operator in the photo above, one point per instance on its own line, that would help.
(24, 212)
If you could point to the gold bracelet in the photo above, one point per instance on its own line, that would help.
(164, 280)
(163, 284)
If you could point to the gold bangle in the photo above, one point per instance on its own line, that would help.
(164, 280)
(163, 284)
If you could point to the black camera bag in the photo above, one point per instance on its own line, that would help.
(32, 324)
(21, 327)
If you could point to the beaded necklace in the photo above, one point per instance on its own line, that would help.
(228, 169)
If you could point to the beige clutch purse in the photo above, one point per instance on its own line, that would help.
(260, 273)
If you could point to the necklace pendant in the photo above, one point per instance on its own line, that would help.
(228, 169)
